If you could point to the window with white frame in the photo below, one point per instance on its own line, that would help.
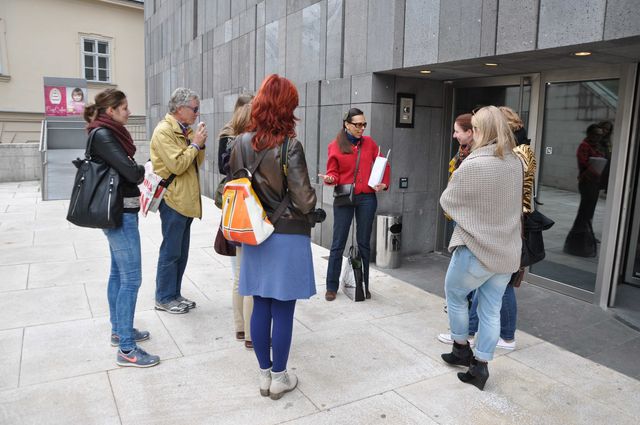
(96, 59)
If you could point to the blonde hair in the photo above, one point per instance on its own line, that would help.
(240, 119)
(490, 126)
(515, 122)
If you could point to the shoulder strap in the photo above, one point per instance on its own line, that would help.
(284, 149)
(355, 174)
(87, 151)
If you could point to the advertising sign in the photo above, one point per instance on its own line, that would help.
(64, 96)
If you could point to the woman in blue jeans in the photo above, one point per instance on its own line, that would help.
(484, 198)
(349, 161)
(113, 144)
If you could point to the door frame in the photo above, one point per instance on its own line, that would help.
(447, 125)
(609, 262)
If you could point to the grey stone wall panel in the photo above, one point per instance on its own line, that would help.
(335, 92)
(383, 88)
(521, 37)
(334, 59)
(296, 5)
(260, 14)
(421, 28)
(380, 40)
(260, 56)
(622, 19)
(294, 49)
(488, 27)
(248, 21)
(275, 10)
(361, 88)
(355, 36)
(238, 6)
(460, 30)
(564, 22)
(224, 11)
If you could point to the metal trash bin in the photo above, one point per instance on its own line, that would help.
(388, 230)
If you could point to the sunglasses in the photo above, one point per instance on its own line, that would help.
(195, 110)
(359, 124)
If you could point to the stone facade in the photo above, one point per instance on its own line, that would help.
(342, 53)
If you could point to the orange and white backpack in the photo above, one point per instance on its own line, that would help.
(244, 220)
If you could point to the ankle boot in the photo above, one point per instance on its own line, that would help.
(281, 383)
(461, 355)
(477, 374)
(265, 382)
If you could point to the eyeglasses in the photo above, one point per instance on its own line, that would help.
(195, 110)
(359, 124)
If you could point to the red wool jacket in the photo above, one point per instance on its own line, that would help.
(341, 166)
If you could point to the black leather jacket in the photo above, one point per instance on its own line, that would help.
(268, 183)
(105, 147)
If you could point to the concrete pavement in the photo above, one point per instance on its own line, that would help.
(365, 363)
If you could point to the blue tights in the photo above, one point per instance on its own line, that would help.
(265, 312)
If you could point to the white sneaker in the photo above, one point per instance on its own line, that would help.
(446, 338)
(265, 382)
(281, 383)
(506, 345)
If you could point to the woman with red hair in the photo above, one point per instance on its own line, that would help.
(279, 271)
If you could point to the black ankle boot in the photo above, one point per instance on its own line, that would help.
(477, 374)
(461, 355)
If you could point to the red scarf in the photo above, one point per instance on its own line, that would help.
(119, 130)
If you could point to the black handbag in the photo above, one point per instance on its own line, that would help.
(533, 224)
(223, 246)
(344, 194)
(96, 201)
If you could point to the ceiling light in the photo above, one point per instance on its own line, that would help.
(425, 71)
(582, 54)
(491, 64)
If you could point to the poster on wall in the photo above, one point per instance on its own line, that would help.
(64, 97)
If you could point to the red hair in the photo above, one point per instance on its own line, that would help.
(272, 112)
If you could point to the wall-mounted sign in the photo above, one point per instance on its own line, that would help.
(64, 96)
(405, 110)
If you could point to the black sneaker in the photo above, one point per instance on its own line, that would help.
(136, 358)
(137, 335)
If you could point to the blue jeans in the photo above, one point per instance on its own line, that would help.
(125, 278)
(466, 273)
(174, 253)
(508, 315)
(365, 211)
(272, 323)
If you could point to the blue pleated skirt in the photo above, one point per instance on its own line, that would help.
(281, 267)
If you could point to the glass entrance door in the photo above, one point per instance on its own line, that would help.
(573, 174)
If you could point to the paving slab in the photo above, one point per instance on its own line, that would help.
(10, 352)
(387, 408)
(350, 363)
(63, 273)
(40, 306)
(36, 254)
(212, 388)
(48, 357)
(13, 277)
(82, 400)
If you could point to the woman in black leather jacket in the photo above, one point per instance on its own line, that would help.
(279, 271)
(113, 144)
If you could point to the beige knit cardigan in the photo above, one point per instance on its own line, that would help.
(484, 198)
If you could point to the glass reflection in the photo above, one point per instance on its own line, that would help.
(573, 177)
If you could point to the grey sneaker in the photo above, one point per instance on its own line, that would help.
(173, 307)
(136, 358)
(137, 335)
(188, 303)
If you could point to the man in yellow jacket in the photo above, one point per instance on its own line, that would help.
(176, 153)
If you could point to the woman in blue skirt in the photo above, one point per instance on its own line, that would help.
(279, 271)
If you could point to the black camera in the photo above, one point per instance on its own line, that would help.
(318, 215)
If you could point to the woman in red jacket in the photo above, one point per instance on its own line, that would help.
(350, 149)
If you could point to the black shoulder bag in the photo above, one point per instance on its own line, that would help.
(95, 197)
(344, 194)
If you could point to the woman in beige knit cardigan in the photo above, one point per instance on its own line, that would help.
(484, 198)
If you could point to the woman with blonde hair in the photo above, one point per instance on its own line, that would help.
(484, 197)
(242, 306)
